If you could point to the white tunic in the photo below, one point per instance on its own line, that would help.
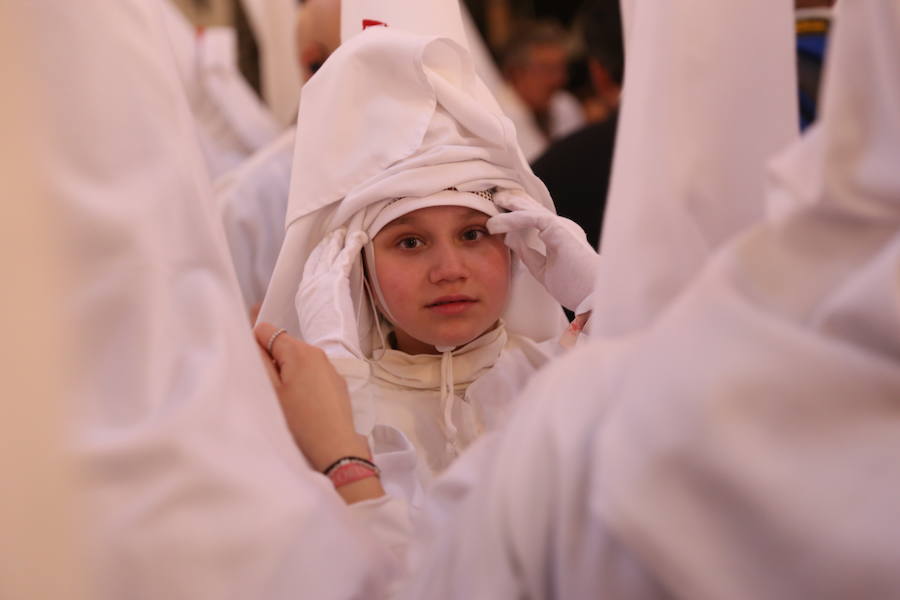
(416, 430)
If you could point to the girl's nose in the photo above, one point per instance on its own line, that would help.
(448, 264)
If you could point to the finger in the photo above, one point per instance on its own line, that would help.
(269, 366)
(350, 253)
(324, 255)
(515, 221)
(516, 200)
(533, 260)
(355, 242)
(264, 332)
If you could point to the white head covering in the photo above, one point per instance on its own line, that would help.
(688, 169)
(232, 122)
(390, 115)
(273, 22)
(186, 458)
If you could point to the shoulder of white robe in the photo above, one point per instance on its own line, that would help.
(187, 461)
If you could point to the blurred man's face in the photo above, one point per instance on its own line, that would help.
(542, 76)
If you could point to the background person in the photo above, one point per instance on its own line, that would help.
(534, 64)
(576, 168)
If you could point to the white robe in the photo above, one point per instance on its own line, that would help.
(194, 488)
(253, 200)
(744, 445)
(398, 404)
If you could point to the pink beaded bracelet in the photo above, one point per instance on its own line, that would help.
(350, 472)
(340, 473)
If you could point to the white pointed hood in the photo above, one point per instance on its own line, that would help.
(709, 95)
(761, 463)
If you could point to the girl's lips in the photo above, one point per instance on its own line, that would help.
(451, 305)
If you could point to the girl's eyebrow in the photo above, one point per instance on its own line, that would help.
(410, 219)
(401, 220)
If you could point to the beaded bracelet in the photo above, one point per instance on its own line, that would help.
(350, 469)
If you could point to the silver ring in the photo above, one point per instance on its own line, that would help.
(273, 338)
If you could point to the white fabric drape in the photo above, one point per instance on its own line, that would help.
(273, 24)
(253, 200)
(232, 122)
(744, 444)
(194, 486)
(708, 96)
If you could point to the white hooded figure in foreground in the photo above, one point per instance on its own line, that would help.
(744, 446)
(192, 487)
(744, 443)
(403, 166)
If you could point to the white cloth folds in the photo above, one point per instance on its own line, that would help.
(253, 200)
(393, 114)
(694, 133)
(744, 444)
(194, 486)
(324, 306)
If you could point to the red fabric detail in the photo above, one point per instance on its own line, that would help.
(372, 23)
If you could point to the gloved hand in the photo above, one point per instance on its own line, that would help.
(324, 305)
(569, 266)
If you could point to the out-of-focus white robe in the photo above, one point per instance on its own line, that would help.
(253, 201)
(194, 488)
(743, 445)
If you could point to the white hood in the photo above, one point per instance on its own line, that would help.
(394, 114)
(709, 96)
(774, 446)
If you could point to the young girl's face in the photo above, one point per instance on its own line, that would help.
(444, 278)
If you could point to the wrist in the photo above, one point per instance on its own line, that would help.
(364, 489)
(358, 446)
(355, 479)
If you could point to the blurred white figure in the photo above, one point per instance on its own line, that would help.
(253, 200)
(272, 22)
(253, 196)
(194, 488)
(232, 121)
(41, 549)
(688, 170)
(744, 444)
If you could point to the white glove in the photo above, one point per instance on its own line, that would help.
(324, 305)
(569, 265)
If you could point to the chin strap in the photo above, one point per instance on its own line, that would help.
(448, 400)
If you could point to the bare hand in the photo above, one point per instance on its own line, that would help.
(313, 397)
